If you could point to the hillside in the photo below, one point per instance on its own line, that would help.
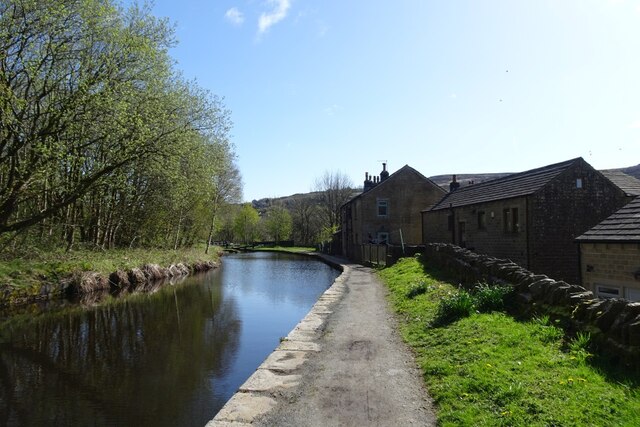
(466, 178)
(442, 180)
(631, 170)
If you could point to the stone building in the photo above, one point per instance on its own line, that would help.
(388, 210)
(531, 217)
(610, 255)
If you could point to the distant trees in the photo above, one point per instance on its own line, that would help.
(102, 143)
(307, 221)
(278, 224)
(245, 224)
(336, 188)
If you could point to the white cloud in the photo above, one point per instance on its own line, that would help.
(279, 12)
(234, 16)
(333, 110)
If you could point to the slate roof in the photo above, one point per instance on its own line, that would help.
(627, 183)
(621, 227)
(404, 168)
(515, 185)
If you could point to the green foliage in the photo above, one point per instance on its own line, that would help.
(52, 266)
(489, 369)
(484, 299)
(417, 288)
(454, 306)
(245, 224)
(579, 346)
(278, 223)
(104, 144)
(491, 298)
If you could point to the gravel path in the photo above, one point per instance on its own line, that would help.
(364, 375)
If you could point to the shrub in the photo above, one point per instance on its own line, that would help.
(491, 298)
(579, 346)
(417, 288)
(453, 307)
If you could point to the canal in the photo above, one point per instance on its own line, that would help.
(170, 358)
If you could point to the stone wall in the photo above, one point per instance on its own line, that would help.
(614, 324)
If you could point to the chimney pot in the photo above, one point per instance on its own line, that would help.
(453, 185)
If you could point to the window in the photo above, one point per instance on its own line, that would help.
(579, 183)
(510, 220)
(383, 237)
(515, 220)
(482, 220)
(506, 220)
(632, 294)
(606, 291)
(383, 207)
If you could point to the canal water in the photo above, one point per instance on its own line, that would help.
(171, 358)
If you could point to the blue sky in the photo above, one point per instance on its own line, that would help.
(444, 86)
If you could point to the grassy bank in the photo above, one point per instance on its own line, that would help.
(491, 369)
(289, 249)
(51, 267)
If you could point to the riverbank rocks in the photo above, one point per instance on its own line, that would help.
(614, 324)
(119, 280)
(89, 281)
(153, 272)
(136, 277)
(148, 278)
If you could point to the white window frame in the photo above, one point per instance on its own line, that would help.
(632, 294)
(606, 291)
(382, 203)
(382, 237)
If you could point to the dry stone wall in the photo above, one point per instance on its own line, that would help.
(614, 324)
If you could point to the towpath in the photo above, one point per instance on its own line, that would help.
(343, 365)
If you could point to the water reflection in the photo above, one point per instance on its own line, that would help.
(169, 358)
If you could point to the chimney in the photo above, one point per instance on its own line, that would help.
(384, 174)
(368, 183)
(453, 185)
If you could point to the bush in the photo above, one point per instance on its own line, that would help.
(453, 307)
(579, 346)
(417, 288)
(491, 298)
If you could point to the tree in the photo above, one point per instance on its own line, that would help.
(100, 139)
(306, 218)
(226, 188)
(336, 189)
(245, 223)
(79, 90)
(278, 223)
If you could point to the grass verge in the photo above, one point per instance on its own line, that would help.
(493, 370)
(289, 249)
(51, 267)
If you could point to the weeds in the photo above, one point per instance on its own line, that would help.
(484, 299)
(417, 288)
(579, 346)
(453, 307)
(491, 298)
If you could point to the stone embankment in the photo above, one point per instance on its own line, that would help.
(85, 282)
(343, 364)
(614, 324)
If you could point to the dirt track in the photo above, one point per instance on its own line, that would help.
(364, 375)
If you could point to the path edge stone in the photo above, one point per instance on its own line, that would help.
(248, 404)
